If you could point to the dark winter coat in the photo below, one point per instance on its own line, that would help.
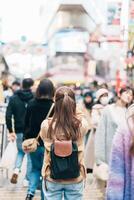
(37, 111)
(16, 110)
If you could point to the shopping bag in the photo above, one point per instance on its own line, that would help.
(9, 156)
(101, 171)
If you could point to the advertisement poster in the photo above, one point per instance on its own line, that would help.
(131, 25)
(114, 13)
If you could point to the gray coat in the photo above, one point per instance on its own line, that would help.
(90, 146)
(106, 130)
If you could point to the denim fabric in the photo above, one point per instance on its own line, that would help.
(37, 162)
(56, 191)
(20, 156)
(29, 167)
(21, 153)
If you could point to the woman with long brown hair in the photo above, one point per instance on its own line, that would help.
(64, 174)
(121, 177)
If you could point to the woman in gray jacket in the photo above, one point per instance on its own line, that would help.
(112, 116)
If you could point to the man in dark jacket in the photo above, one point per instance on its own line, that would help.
(15, 120)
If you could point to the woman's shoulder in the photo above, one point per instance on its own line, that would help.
(45, 124)
(44, 128)
(108, 109)
(84, 124)
(97, 106)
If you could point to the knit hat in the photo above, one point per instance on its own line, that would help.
(100, 92)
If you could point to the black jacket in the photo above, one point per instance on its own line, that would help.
(16, 110)
(37, 111)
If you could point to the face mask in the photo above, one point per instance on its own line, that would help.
(104, 101)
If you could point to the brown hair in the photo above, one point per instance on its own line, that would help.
(45, 89)
(132, 147)
(132, 140)
(129, 116)
(64, 119)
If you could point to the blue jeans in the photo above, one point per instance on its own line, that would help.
(29, 167)
(56, 191)
(21, 154)
(37, 158)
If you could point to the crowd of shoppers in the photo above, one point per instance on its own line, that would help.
(86, 131)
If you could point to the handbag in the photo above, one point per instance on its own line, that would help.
(30, 145)
(101, 171)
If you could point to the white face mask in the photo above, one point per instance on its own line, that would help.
(104, 101)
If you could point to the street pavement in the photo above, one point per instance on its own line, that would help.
(9, 191)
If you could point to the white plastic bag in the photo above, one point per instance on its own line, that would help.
(9, 156)
(101, 171)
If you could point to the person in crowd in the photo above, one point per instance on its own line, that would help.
(104, 85)
(121, 173)
(78, 94)
(37, 111)
(15, 121)
(112, 116)
(1, 93)
(15, 86)
(102, 100)
(85, 106)
(65, 125)
(7, 92)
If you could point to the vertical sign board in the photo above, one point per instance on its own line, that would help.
(130, 53)
(113, 13)
(131, 25)
(113, 18)
(114, 33)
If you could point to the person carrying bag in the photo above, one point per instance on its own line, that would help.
(63, 169)
(40, 108)
(30, 145)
